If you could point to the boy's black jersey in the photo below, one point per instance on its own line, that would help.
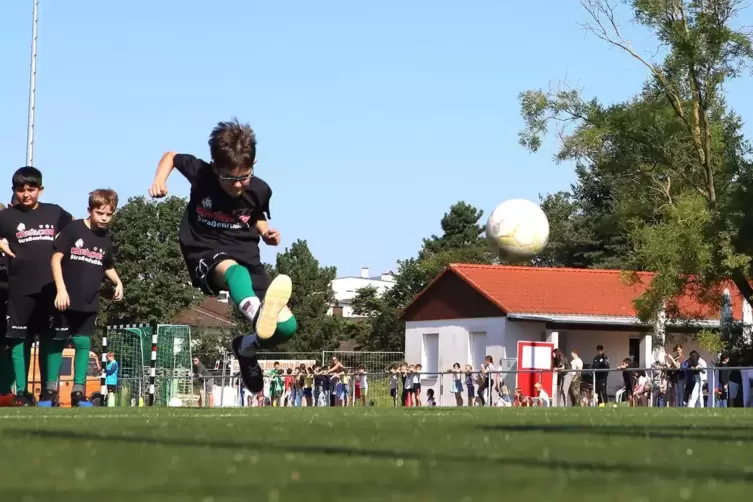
(31, 235)
(3, 277)
(86, 256)
(215, 221)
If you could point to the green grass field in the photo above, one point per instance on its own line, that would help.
(376, 454)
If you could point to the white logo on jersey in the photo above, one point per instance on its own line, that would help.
(21, 227)
(207, 202)
(79, 243)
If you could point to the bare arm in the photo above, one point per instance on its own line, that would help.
(164, 168)
(262, 226)
(113, 276)
(57, 272)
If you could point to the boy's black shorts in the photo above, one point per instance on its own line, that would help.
(201, 265)
(31, 315)
(74, 322)
(3, 320)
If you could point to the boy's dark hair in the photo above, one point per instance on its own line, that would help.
(102, 197)
(28, 175)
(232, 145)
(599, 347)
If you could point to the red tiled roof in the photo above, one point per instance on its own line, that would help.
(210, 313)
(567, 291)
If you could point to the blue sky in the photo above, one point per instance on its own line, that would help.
(372, 117)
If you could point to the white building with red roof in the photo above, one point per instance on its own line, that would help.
(470, 311)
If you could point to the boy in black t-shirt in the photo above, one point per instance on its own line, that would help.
(29, 229)
(83, 257)
(219, 236)
(6, 368)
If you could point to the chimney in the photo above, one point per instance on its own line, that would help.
(364, 272)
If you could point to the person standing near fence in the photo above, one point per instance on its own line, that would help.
(83, 257)
(722, 389)
(697, 367)
(111, 373)
(601, 362)
(577, 365)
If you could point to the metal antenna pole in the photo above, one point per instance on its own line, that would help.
(32, 88)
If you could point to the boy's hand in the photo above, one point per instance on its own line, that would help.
(62, 301)
(158, 189)
(118, 292)
(6, 248)
(271, 237)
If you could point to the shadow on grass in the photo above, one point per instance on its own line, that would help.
(666, 471)
(700, 433)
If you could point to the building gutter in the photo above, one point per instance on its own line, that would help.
(607, 320)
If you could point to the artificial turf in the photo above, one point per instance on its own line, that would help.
(365, 454)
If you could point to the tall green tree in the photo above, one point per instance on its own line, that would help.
(149, 262)
(674, 154)
(311, 298)
(461, 241)
(461, 228)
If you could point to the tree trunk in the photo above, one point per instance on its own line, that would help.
(738, 277)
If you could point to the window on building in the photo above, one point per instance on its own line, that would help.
(634, 350)
(476, 349)
(66, 367)
(430, 354)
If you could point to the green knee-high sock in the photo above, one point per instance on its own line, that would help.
(82, 344)
(6, 370)
(54, 358)
(285, 330)
(21, 358)
(239, 283)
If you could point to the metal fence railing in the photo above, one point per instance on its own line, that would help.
(651, 387)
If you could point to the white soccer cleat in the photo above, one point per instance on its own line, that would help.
(276, 299)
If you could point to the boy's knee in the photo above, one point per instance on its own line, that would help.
(287, 327)
(222, 267)
(81, 342)
(219, 273)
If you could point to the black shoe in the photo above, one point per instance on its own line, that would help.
(78, 400)
(251, 373)
(48, 399)
(25, 399)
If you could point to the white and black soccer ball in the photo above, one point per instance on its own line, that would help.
(519, 229)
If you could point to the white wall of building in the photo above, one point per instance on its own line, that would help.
(464, 341)
(437, 345)
(346, 288)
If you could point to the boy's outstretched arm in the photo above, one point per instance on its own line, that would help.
(164, 168)
(269, 236)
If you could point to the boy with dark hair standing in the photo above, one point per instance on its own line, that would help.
(219, 236)
(83, 257)
(6, 370)
(29, 228)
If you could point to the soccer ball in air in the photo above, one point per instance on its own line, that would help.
(518, 228)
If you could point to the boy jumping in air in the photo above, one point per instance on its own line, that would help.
(219, 236)
(29, 228)
(83, 257)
